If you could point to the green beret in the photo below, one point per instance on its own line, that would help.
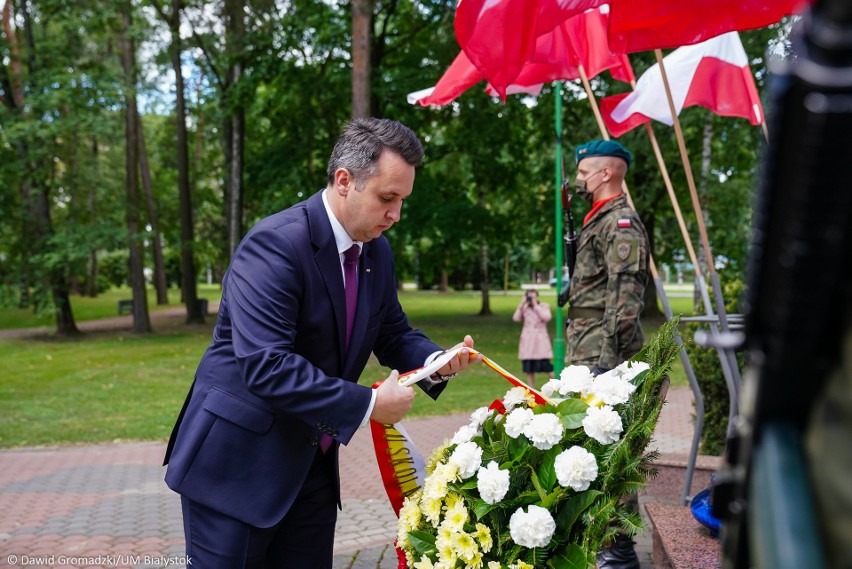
(603, 148)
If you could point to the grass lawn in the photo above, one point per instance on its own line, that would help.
(121, 386)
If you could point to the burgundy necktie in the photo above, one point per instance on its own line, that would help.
(350, 284)
(350, 262)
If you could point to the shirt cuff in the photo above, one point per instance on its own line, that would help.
(432, 357)
(369, 409)
(428, 361)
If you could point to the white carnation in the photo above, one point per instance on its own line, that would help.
(556, 388)
(602, 424)
(478, 417)
(545, 430)
(465, 434)
(576, 468)
(468, 457)
(492, 483)
(628, 370)
(517, 421)
(611, 389)
(533, 528)
(576, 379)
(514, 397)
(551, 387)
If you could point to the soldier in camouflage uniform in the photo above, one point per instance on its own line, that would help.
(611, 269)
(607, 287)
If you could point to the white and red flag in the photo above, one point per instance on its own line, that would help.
(580, 40)
(641, 25)
(714, 74)
(500, 36)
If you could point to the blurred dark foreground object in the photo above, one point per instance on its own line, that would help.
(780, 497)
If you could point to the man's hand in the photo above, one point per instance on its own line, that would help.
(463, 360)
(393, 401)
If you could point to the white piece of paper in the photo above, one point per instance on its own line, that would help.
(412, 377)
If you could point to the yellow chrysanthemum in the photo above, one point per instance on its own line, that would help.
(443, 537)
(449, 472)
(447, 555)
(437, 456)
(424, 563)
(432, 509)
(493, 565)
(402, 539)
(475, 562)
(455, 518)
(435, 487)
(464, 546)
(521, 565)
(409, 515)
(454, 500)
(483, 536)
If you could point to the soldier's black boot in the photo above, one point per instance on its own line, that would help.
(619, 555)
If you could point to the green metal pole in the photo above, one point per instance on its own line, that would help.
(559, 340)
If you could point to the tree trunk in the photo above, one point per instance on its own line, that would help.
(235, 123)
(362, 21)
(187, 257)
(235, 181)
(141, 322)
(72, 186)
(160, 284)
(38, 227)
(506, 273)
(485, 310)
(92, 278)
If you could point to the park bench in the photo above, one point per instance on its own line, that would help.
(125, 305)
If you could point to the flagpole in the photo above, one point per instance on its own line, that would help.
(690, 180)
(559, 340)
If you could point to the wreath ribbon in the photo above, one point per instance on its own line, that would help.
(401, 465)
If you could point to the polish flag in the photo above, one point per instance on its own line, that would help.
(714, 74)
(642, 25)
(458, 78)
(580, 40)
(500, 36)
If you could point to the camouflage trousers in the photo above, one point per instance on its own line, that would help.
(583, 340)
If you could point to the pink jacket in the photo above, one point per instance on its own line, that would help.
(535, 340)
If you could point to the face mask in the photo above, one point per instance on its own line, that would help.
(582, 191)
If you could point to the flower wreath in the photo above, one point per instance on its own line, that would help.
(528, 485)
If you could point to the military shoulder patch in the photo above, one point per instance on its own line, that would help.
(625, 251)
(624, 222)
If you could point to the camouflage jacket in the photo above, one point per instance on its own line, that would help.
(607, 288)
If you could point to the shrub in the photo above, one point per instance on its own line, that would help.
(711, 380)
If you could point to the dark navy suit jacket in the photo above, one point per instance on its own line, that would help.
(276, 376)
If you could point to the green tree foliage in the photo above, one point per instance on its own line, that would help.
(486, 183)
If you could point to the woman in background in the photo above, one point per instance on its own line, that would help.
(534, 348)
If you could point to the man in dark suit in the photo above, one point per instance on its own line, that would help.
(254, 450)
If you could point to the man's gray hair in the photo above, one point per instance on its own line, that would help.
(362, 142)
